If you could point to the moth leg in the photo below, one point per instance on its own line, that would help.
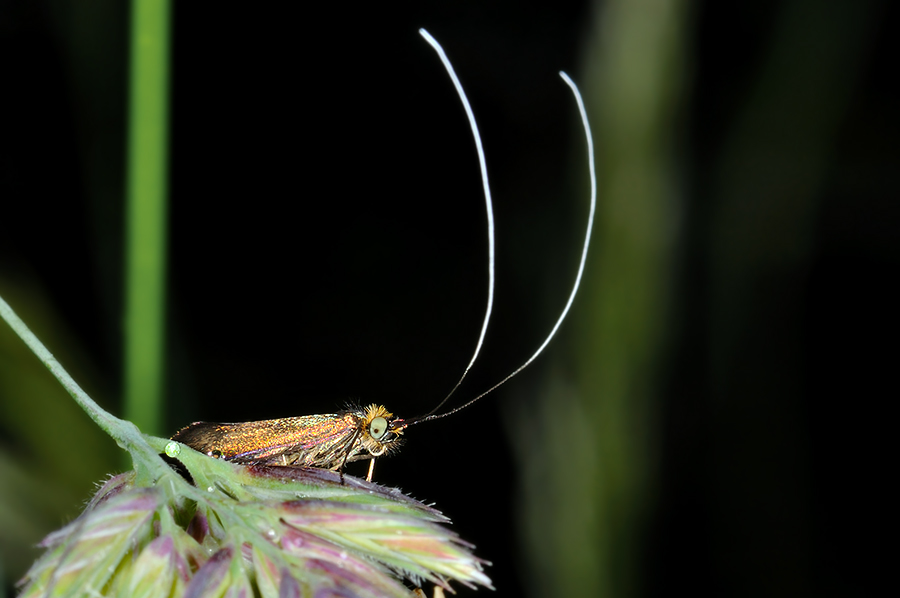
(349, 446)
(420, 593)
(371, 470)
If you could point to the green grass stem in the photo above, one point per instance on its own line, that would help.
(145, 277)
(123, 432)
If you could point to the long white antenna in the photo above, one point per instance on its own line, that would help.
(487, 204)
(584, 252)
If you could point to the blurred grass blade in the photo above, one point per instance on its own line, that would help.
(146, 214)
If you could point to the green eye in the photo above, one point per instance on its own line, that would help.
(378, 427)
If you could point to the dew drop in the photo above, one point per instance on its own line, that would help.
(173, 449)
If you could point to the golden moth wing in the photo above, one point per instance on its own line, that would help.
(250, 442)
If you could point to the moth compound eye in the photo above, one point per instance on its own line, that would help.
(378, 427)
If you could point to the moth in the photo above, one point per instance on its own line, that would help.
(327, 441)
(331, 441)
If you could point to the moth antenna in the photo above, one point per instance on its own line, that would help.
(489, 207)
(584, 252)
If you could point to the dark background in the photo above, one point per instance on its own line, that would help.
(327, 246)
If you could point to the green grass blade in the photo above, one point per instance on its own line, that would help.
(146, 214)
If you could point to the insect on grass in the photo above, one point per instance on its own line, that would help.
(331, 441)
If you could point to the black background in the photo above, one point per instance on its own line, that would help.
(327, 246)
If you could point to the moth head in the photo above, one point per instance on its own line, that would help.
(379, 435)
